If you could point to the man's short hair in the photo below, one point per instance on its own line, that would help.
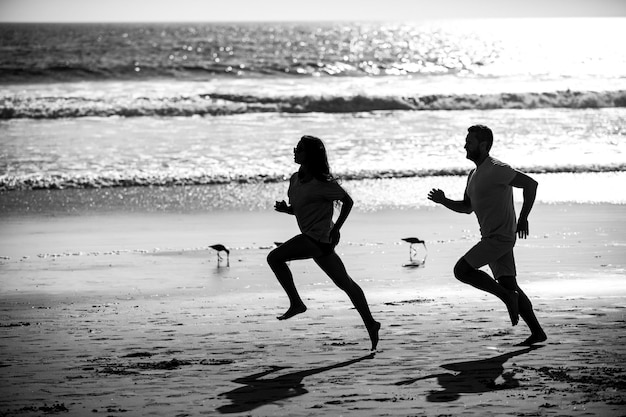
(483, 134)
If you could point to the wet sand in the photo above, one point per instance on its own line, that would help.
(133, 315)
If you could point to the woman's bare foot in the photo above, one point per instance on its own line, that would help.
(534, 338)
(373, 332)
(293, 310)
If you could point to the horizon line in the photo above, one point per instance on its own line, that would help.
(426, 19)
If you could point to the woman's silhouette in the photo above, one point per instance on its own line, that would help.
(312, 194)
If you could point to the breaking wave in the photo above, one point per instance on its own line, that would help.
(228, 104)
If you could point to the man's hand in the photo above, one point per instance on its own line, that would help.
(529, 186)
(437, 196)
(282, 207)
(522, 228)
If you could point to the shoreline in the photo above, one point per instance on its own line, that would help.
(378, 194)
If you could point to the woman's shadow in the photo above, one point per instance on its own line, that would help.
(472, 377)
(258, 391)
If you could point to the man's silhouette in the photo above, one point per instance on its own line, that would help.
(473, 377)
(489, 194)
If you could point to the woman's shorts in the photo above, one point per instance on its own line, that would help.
(326, 248)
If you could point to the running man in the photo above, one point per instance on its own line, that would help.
(489, 194)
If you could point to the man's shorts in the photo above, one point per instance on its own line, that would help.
(496, 253)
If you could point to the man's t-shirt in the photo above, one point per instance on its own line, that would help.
(313, 205)
(491, 198)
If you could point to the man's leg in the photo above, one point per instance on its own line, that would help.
(466, 273)
(526, 311)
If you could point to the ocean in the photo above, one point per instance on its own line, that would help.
(184, 117)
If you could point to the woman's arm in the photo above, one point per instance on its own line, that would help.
(346, 207)
(283, 207)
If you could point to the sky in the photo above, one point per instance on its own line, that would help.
(294, 10)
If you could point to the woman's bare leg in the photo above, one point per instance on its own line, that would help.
(332, 265)
(298, 247)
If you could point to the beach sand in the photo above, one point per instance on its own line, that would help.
(131, 314)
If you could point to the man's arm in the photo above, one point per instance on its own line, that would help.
(529, 187)
(460, 206)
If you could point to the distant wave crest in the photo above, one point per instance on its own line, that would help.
(14, 107)
(56, 182)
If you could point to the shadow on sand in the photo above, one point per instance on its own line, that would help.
(473, 377)
(258, 392)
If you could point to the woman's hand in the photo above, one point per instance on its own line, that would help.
(282, 207)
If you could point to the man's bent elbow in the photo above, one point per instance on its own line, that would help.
(530, 189)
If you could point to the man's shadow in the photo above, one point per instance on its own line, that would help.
(473, 377)
(258, 391)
